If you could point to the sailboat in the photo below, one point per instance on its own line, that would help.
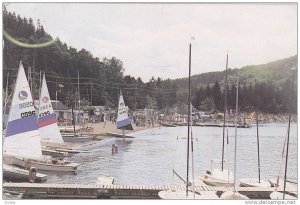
(220, 177)
(48, 128)
(22, 144)
(188, 193)
(123, 121)
(234, 194)
(253, 182)
(47, 123)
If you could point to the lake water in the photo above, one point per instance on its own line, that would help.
(150, 157)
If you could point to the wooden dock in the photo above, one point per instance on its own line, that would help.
(114, 191)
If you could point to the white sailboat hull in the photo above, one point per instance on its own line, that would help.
(279, 195)
(251, 182)
(178, 194)
(217, 177)
(70, 167)
(233, 195)
(72, 138)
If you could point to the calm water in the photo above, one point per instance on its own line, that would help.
(150, 157)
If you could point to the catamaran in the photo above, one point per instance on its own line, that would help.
(220, 177)
(22, 144)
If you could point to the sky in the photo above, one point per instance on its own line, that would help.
(153, 39)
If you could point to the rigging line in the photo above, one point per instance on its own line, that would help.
(282, 160)
(192, 150)
(175, 157)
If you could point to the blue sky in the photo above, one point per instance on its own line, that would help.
(153, 39)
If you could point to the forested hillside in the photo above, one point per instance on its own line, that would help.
(101, 77)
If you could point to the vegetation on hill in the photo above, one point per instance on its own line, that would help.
(101, 79)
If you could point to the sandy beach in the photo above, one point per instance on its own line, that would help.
(100, 132)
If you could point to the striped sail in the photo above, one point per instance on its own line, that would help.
(22, 135)
(47, 120)
(123, 121)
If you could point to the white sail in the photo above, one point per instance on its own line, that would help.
(47, 120)
(123, 121)
(22, 135)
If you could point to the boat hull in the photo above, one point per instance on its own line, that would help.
(216, 177)
(15, 174)
(254, 183)
(54, 153)
(41, 166)
(230, 195)
(67, 138)
(279, 195)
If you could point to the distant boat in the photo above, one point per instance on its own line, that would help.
(123, 121)
(22, 143)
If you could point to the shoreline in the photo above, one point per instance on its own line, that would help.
(100, 133)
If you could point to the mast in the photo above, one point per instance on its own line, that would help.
(192, 150)
(257, 135)
(225, 108)
(78, 95)
(288, 136)
(73, 120)
(189, 108)
(236, 121)
(6, 92)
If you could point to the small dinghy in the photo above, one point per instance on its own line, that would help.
(279, 195)
(251, 182)
(105, 180)
(218, 177)
(231, 195)
(15, 174)
(178, 194)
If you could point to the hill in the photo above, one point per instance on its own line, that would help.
(276, 72)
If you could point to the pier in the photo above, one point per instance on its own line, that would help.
(114, 191)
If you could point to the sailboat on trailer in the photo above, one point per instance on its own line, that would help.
(22, 144)
(123, 121)
(220, 177)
